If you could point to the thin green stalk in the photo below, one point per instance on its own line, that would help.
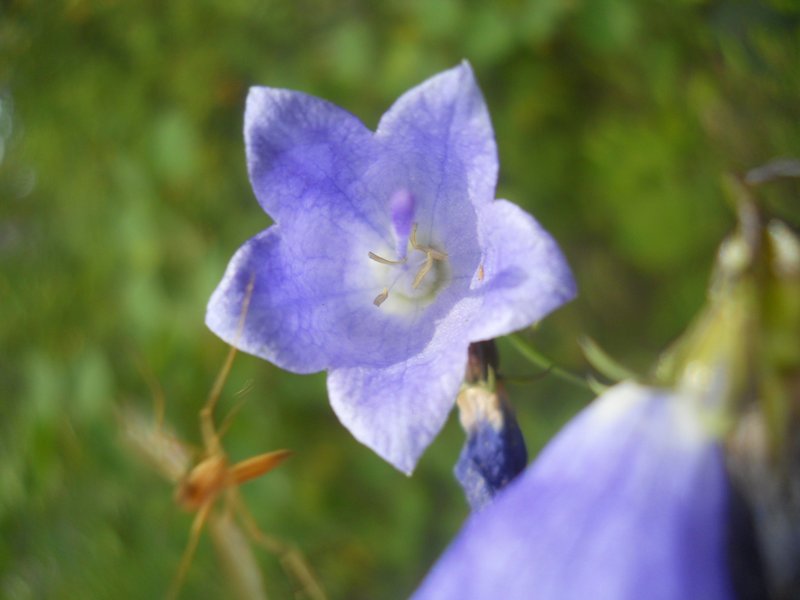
(541, 361)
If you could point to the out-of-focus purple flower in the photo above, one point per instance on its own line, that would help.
(629, 501)
(388, 257)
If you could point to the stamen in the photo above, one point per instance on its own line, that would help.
(436, 254)
(381, 298)
(431, 255)
(413, 238)
(385, 261)
(426, 266)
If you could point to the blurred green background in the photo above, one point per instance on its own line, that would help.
(123, 193)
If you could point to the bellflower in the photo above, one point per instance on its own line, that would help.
(629, 501)
(388, 256)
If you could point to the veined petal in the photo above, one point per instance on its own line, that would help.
(305, 154)
(311, 308)
(442, 138)
(282, 321)
(397, 410)
(525, 275)
(628, 502)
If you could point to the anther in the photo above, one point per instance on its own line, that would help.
(431, 254)
(436, 254)
(426, 266)
(413, 238)
(381, 298)
(385, 261)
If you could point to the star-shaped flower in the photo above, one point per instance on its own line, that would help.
(388, 257)
(629, 501)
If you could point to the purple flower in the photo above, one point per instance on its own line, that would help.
(628, 502)
(388, 257)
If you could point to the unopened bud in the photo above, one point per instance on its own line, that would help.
(494, 452)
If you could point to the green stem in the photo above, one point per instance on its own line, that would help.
(540, 360)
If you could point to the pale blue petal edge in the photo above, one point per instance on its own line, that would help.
(282, 323)
(398, 410)
(525, 275)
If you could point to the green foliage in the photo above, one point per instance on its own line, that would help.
(124, 193)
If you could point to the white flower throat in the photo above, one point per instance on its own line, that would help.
(417, 275)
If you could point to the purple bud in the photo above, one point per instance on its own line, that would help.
(494, 452)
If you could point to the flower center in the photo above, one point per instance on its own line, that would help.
(425, 263)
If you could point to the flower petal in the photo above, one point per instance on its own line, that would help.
(397, 410)
(309, 309)
(283, 323)
(628, 502)
(305, 154)
(442, 139)
(525, 276)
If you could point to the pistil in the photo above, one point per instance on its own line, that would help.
(402, 208)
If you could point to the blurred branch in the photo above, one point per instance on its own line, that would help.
(780, 168)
